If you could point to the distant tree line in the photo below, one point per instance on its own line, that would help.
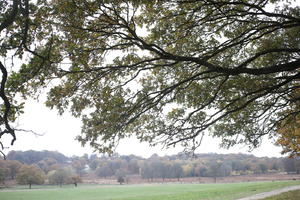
(32, 157)
(34, 167)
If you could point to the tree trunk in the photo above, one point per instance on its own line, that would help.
(29, 185)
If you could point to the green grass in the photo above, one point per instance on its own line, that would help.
(292, 195)
(144, 192)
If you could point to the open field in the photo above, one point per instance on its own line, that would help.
(227, 191)
(229, 179)
(292, 195)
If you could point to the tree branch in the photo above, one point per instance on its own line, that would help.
(11, 17)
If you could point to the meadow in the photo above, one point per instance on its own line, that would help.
(229, 191)
(292, 195)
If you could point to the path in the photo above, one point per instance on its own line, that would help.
(271, 193)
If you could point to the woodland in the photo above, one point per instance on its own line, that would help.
(54, 168)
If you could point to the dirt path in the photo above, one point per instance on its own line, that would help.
(271, 193)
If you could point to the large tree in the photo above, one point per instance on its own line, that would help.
(164, 71)
(29, 175)
(22, 36)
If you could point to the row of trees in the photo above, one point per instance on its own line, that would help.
(121, 167)
(33, 157)
(162, 170)
(292, 165)
(32, 174)
(206, 165)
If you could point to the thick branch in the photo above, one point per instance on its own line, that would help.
(7, 106)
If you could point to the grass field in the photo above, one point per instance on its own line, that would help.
(228, 191)
(292, 195)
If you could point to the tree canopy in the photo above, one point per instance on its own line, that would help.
(29, 175)
(60, 177)
(289, 136)
(166, 72)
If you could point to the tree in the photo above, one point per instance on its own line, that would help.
(133, 166)
(47, 164)
(228, 66)
(14, 167)
(4, 169)
(289, 136)
(263, 168)
(94, 164)
(121, 179)
(29, 175)
(292, 165)
(147, 171)
(215, 170)
(76, 179)
(121, 174)
(225, 170)
(79, 165)
(2, 175)
(177, 171)
(104, 171)
(203, 171)
(59, 177)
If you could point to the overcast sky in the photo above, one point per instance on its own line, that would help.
(59, 134)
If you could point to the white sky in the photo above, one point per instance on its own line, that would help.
(59, 134)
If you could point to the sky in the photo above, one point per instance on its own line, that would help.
(57, 133)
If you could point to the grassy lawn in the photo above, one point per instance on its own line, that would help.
(145, 192)
(292, 195)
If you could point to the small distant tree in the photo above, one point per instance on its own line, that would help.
(177, 171)
(263, 168)
(104, 171)
(275, 167)
(4, 168)
(48, 164)
(94, 164)
(214, 170)
(121, 179)
(120, 174)
(13, 167)
(133, 167)
(76, 179)
(2, 176)
(29, 175)
(188, 170)
(224, 170)
(247, 167)
(203, 171)
(59, 177)
(79, 165)
(147, 172)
